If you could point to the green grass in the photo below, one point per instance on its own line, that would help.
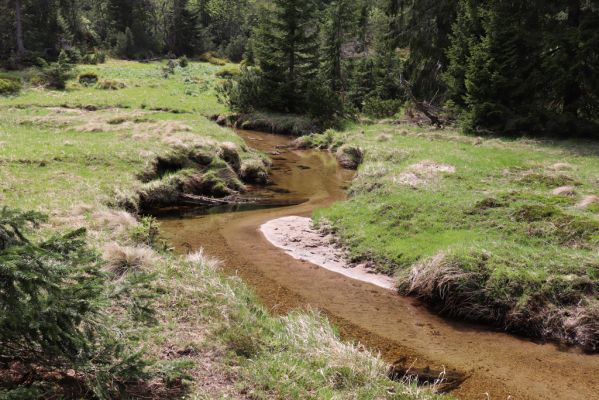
(190, 89)
(78, 153)
(486, 240)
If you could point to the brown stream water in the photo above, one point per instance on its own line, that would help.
(498, 365)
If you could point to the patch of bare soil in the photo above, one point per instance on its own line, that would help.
(298, 237)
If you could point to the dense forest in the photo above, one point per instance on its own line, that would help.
(497, 66)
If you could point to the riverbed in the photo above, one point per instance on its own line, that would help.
(496, 363)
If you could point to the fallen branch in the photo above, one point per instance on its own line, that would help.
(236, 200)
(211, 201)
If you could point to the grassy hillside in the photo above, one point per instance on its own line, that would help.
(90, 158)
(501, 231)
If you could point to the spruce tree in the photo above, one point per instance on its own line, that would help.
(427, 35)
(571, 60)
(286, 50)
(503, 79)
(389, 66)
(466, 33)
(183, 29)
(338, 19)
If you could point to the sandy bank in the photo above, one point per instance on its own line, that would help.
(300, 240)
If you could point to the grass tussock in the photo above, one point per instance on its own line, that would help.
(121, 260)
(350, 157)
(254, 171)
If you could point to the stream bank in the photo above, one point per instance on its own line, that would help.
(400, 328)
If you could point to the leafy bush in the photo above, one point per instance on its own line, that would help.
(55, 75)
(88, 78)
(9, 86)
(147, 233)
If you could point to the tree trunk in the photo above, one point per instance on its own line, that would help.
(19, 30)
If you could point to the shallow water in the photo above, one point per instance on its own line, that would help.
(400, 328)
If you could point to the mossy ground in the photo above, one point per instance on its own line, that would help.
(486, 229)
(76, 154)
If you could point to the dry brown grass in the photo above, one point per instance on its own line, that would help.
(115, 220)
(121, 260)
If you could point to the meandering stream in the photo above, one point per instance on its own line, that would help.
(496, 363)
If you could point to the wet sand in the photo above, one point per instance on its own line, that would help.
(400, 328)
(298, 238)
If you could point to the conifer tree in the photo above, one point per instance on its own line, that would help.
(502, 78)
(427, 35)
(338, 18)
(286, 49)
(466, 33)
(183, 31)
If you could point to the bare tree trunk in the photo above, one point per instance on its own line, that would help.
(19, 32)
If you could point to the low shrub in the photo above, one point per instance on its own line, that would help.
(183, 62)
(88, 78)
(169, 68)
(55, 75)
(228, 72)
(322, 102)
(110, 85)
(245, 92)
(147, 233)
(97, 57)
(9, 86)
(73, 55)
